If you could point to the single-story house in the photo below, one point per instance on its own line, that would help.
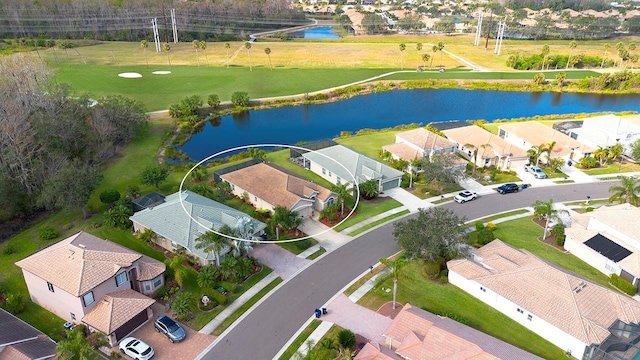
(608, 239)
(97, 282)
(185, 216)
(21, 341)
(268, 187)
(420, 335)
(147, 201)
(339, 164)
(528, 134)
(608, 130)
(418, 143)
(492, 150)
(570, 312)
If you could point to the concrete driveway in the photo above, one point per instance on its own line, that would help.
(187, 349)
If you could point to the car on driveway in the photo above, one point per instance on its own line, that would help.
(537, 172)
(508, 188)
(136, 348)
(169, 328)
(465, 196)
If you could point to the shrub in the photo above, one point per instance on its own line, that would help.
(218, 297)
(182, 304)
(491, 226)
(213, 100)
(109, 196)
(115, 355)
(9, 249)
(240, 98)
(589, 209)
(347, 339)
(485, 236)
(444, 276)
(558, 231)
(623, 285)
(479, 226)
(230, 287)
(431, 270)
(48, 232)
(14, 303)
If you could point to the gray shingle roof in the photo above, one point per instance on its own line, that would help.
(170, 219)
(364, 168)
(21, 339)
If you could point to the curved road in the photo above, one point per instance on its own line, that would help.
(266, 329)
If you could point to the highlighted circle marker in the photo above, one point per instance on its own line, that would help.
(355, 184)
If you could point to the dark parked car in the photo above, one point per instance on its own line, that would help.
(169, 328)
(508, 188)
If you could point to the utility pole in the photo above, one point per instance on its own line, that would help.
(156, 37)
(501, 26)
(166, 28)
(486, 44)
(173, 26)
(476, 42)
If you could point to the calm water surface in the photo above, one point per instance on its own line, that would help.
(290, 125)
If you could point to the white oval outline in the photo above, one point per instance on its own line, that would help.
(355, 182)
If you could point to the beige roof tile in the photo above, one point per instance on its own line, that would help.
(403, 151)
(373, 351)
(115, 309)
(425, 139)
(79, 263)
(150, 268)
(275, 186)
(478, 136)
(577, 306)
(536, 134)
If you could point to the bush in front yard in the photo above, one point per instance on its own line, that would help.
(347, 339)
(48, 233)
(217, 297)
(14, 303)
(623, 285)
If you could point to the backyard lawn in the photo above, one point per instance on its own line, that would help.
(613, 168)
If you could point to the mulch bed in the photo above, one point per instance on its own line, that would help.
(387, 309)
(339, 217)
(550, 239)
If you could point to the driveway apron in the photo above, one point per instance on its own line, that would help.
(356, 318)
(283, 262)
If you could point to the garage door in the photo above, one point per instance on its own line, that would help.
(389, 185)
(130, 325)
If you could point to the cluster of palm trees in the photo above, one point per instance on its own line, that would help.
(425, 57)
(216, 242)
(285, 219)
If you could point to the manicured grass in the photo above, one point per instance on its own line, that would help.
(246, 306)
(297, 247)
(378, 222)
(281, 158)
(443, 200)
(366, 210)
(523, 234)
(613, 168)
(421, 190)
(564, 182)
(449, 300)
(554, 174)
(316, 254)
(500, 179)
(300, 339)
(369, 144)
(499, 216)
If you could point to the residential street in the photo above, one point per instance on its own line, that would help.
(265, 330)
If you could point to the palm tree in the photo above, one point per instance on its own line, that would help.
(203, 45)
(535, 152)
(545, 53)
(572, 45)
(402, 47)
(283, 217)
(440, 48)
(180, 272)
(395, 267)
(247, 46)
(627, 192)
(425, 58)
(208, 276)
(602, 154)
(419, 46)
(211, 242)
(616, 151)
(474, 149)
(145, 44)
(227, 46)
(196, 45)
(607, 47)
(76, 345)
(343, 192)
(229, 268)
(620, 48)
(268, 52)
(545, 209)
(166, 48)
(434, 48)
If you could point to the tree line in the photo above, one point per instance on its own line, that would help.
(52, 140)
(131, 20)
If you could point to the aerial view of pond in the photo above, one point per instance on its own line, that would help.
(293, 124)
(324, 32)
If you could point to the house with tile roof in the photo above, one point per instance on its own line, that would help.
(267, 187)
(19, 340)
(420, 335)
(185, 216)
(97, 282)
(608, 239)
(527, 134)
(418, 143)
(492, 150)
(566, 310)
(339, 164)
(608, 130)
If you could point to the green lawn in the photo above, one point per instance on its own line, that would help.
(299, 340)
(297, 247)
(554, 174)
(366, 210)
(613, 168)
(448, 300)
(369, 144)
(378, 222)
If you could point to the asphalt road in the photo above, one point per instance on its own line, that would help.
(264, 331)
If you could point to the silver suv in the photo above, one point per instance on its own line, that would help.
(169, 328)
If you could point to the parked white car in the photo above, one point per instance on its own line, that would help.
(136, 348)
(465, 196)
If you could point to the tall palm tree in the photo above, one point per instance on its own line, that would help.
(211, 242)
(343, 192)
(545, 53)
(268, 52)
(227, 46)
(607, 47)
(402, 47)
(145, 44)
(602, 154)
(440, 48)
(203, 45)
(545, 209)
(196, 46)
(167, 48)
(419, 46)
(434, 48)
(425, 58)
(627, 192)
(572, 45)
(395, 267)
(180, 272)
(247, 46)
(474, 149)
(77, 347)
(535, 152)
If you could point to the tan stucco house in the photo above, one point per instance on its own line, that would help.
(418, 143)
(268, 187)
(85, 279)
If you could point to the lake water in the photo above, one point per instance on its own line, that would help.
(290, 125)
(323, 32)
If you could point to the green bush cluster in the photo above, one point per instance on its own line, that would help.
(230, 287)
(623, 285)
(48, 232)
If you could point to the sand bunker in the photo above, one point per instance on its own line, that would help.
(161, 72)
(130, 75)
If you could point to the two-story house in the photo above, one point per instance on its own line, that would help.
(97, 282)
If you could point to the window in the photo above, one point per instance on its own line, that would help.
(324, 171)
(483, 289)
(87, 298)
(233, 187)
(255, 198)
(338, 180)
(329, 173)
(529, 317)
(157, 281)
(520, 311)
(73, 316)
(50, 286)
(147, 285)
(121, 278)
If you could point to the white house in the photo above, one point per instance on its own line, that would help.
(608, 130)
(608, 239)
(568, 311)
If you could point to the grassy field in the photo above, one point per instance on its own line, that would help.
(366, 210)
